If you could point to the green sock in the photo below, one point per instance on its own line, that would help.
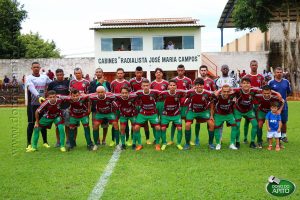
(233, 134)
(158, 136)
(253, 130)
(134, 138)
(62, 135)
(138, 138)
(164, 137)
(246, 128)
(173, 129)
(188, 136)
(179, 136)
(117, 136)
(96, 135)
(238, 132)
(210, 137)
(259, 135)
(123, 139)
(36, 135)
(197, 130)
(154, 132)
(87, 135)
(71, 137)
(217, 135)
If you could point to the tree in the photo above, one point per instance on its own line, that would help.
(11, 16)
(33, 46)
(249, 14)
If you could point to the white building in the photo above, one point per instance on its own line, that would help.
(149, 43)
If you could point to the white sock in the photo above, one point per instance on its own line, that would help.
(283, 135)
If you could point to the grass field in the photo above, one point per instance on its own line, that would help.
(172, 174)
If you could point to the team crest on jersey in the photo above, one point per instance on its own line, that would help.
(129, 103)
(107, 103)
(184, 84)
(83, 85)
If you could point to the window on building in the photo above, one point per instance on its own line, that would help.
(173, 42)
(122, 44)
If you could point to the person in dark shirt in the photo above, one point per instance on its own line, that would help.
(61, 87)
(100, 81)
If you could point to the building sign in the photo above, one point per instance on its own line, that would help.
(149, 59)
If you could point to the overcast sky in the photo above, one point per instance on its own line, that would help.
(67, 22)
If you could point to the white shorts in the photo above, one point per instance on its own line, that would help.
(273, 134)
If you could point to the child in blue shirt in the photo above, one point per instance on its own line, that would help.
(274, 124)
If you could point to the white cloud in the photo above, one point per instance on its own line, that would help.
(67, 22)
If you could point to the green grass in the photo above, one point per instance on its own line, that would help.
(172, 174)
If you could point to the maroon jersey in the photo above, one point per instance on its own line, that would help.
(209, 84)
(244, 101)
(105, 105)
(198, 102)
(160, 86)
(82, 85)
(135, 84)
(78, 108)
(265, 104)
(127, 107)
(51, 111)
(116, 86)
(224, 106)
(183, 84)
(148, 101)
(171, 102)
(256, 80)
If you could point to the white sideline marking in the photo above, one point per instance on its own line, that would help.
(99, 187)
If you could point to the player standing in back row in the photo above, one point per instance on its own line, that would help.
(183, 83)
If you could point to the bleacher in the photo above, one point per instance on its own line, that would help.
(13, 96)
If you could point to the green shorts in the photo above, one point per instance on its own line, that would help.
(104, 123)
(124, 120)
(183, 111)
(141, 119)
(47, 123)
(76, 121)
(220, 119)
(165, 120)
(202, 116)
(261, 115)
(160, 107)
(111, 117)
(248, 115)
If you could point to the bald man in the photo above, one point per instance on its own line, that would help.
(103, 102)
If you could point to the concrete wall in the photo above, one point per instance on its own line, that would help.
(238, 60)
(20, 67)
(254, 41)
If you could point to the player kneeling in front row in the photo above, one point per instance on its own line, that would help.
(51, 108)
(264, 101)
(148, 111)
(171, 112)
(201, 109)
(126, 104)
(274, 124)
(104, 110)
(80, 109)
(223, 112)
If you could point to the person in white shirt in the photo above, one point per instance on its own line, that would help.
(36, 85)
